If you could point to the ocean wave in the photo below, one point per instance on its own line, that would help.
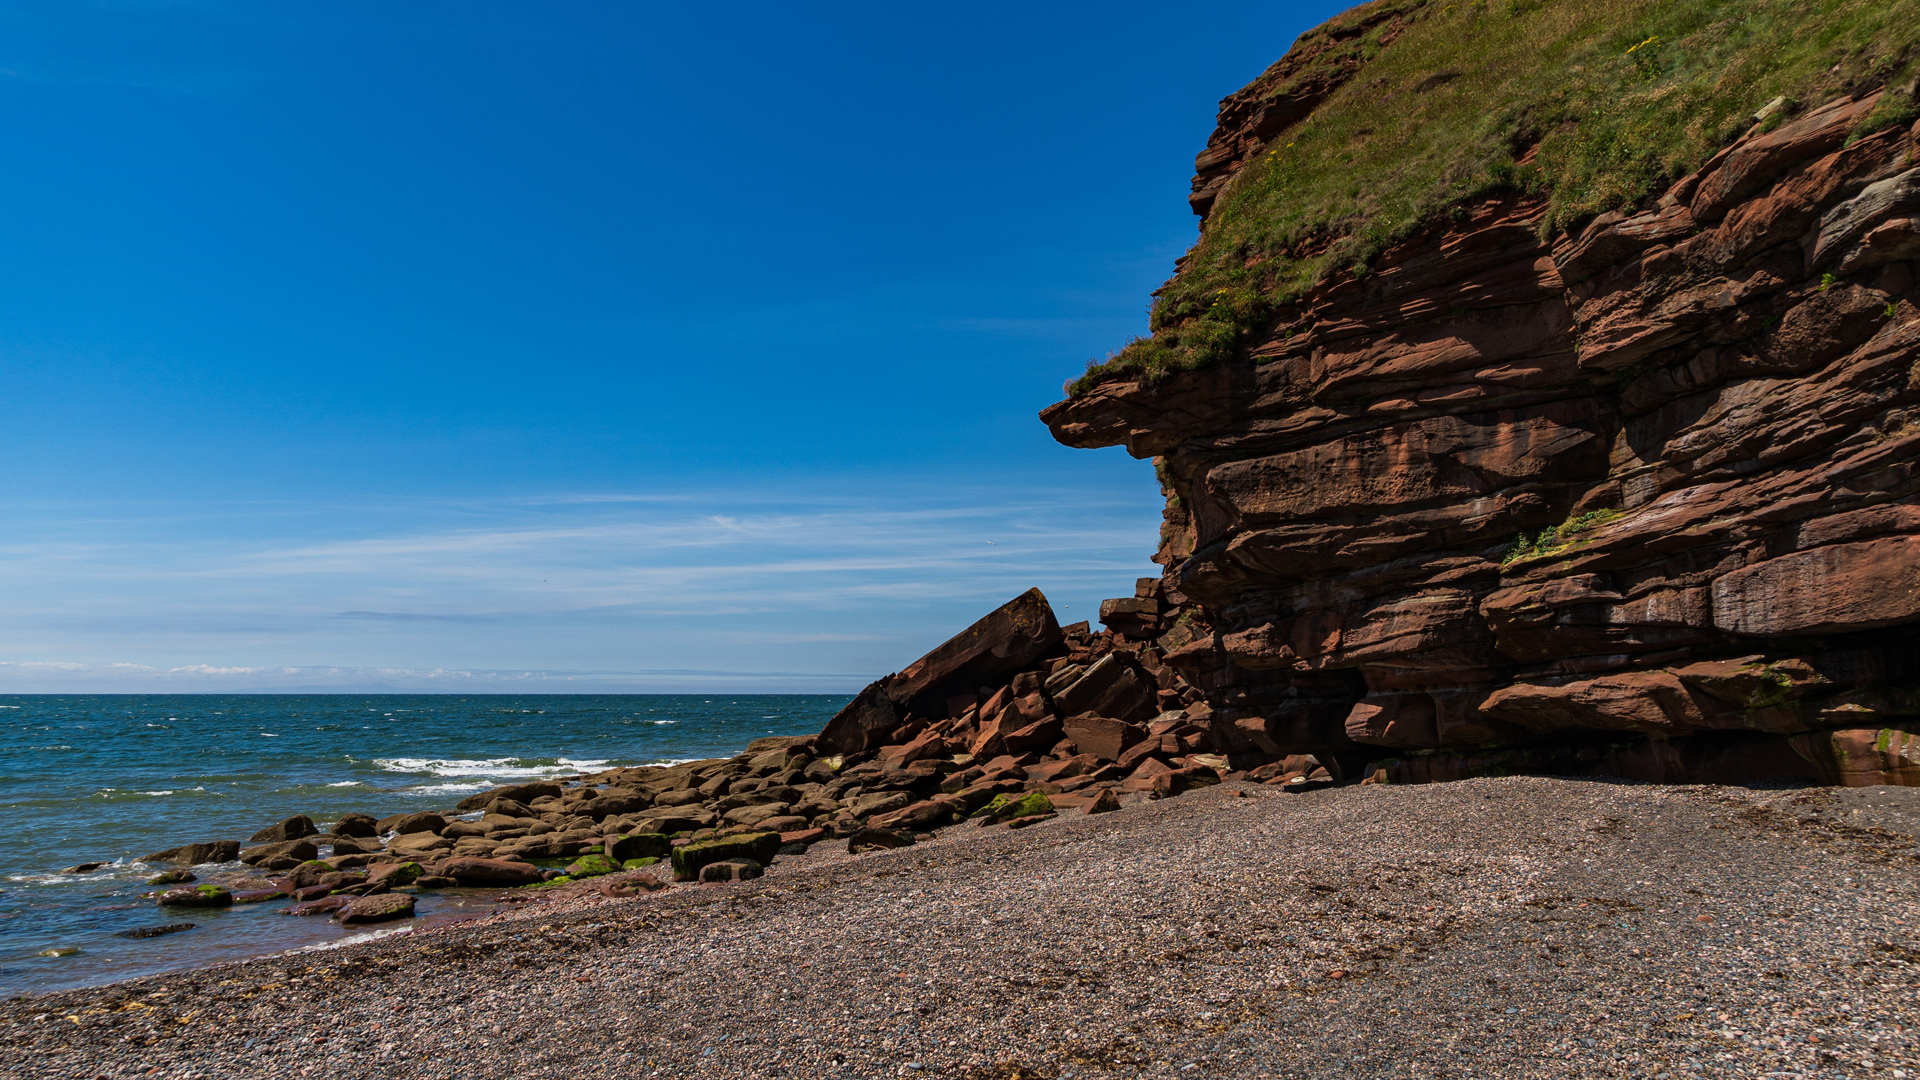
(348, 783)
(61, 747)
(351, 939)
(432, 789)
(508, 767)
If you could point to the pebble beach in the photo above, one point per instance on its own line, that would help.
(1513, 927)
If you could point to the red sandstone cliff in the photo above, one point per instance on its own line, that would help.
(1713, 404)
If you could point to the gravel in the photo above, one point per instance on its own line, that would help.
(1512, 927)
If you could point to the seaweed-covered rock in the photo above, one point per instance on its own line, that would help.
(760, 847)
(197, 896)
(171, 877)
(1008, 807)
(591, 866)
(395, 873)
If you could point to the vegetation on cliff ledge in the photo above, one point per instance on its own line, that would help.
(1595, 105)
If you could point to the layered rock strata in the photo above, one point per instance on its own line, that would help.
(1638, 501)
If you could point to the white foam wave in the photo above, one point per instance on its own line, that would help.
(432, 788)
(352, 939)
(347, 783)
(492, 767)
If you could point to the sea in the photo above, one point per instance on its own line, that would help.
(110, 778)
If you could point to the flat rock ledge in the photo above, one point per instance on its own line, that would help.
(1515, 927)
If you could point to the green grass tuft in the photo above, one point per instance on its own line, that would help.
(1593, 104)
(1549, 540)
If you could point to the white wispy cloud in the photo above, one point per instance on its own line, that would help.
(564, 587)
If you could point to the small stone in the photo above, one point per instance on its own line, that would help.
(436, 881)
(64, 950)
(88, 868)
(171, 877)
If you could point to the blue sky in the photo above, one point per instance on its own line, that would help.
(573, 347)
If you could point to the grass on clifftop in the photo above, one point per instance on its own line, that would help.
(1617, 97)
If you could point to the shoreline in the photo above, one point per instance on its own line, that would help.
(1520, 926)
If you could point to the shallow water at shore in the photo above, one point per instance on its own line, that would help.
(114, 777)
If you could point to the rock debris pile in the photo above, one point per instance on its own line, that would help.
(1014, 721)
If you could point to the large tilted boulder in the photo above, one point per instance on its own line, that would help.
(1006, 641)
(520, 793)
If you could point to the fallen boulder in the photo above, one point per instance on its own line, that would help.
(416, 845)
(730, 870)
(638, 846)
(217, 851)
(520, 793)
(372, 909)
(298, 850)
(1005, 641)
(294, 828)
(410, 823)
(876, 840)
(490, 871)
(1103, 737)
(355, 825)
(759, 847)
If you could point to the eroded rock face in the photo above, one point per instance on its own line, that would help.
(1708, 409)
